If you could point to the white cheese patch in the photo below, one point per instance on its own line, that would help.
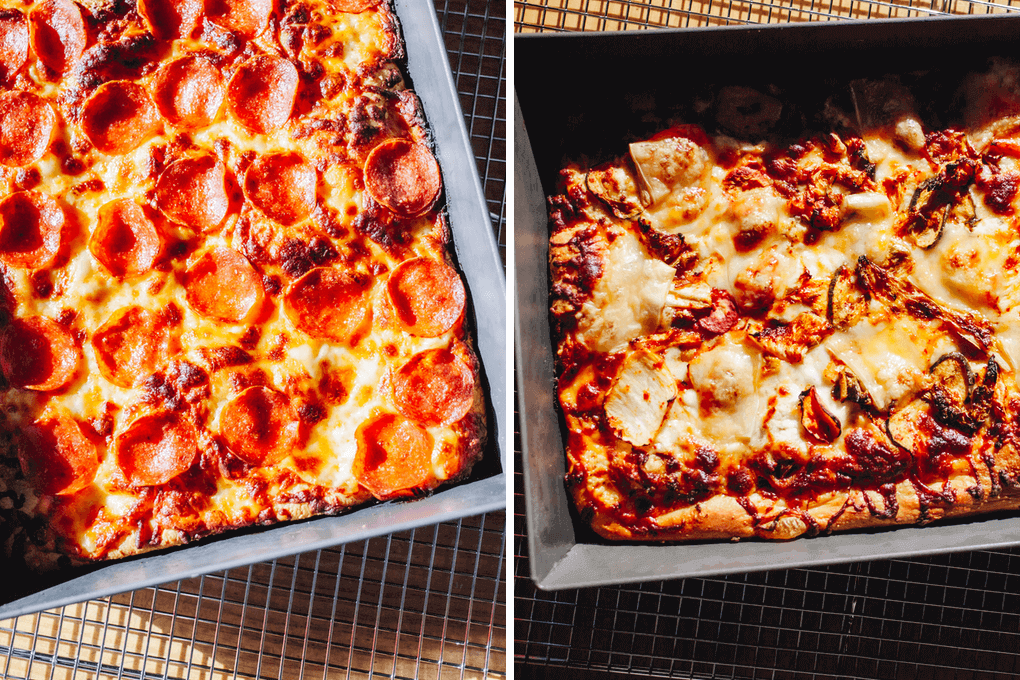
(629, 297)
(637, 402)
(783, 427)
(667, 164)
(890, 360)
(723, 375)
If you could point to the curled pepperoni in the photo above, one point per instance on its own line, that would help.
(119, 116)
(328, 303)
(261, 93)
(30, 229)
(260, 426)
(56, 457)
(189, 92)
(394, 457)
(403, 176)
(26, 125)
(434, 387)
(39, 354)
(171, 19)
(193, 192)
(427, 296)
(724, 314)
(13, 42)
(246, 18)
(126, 241)
(57, 33)
(132, 344)
(282, 185)
(223, 285)
(354, 6)
(155, 448)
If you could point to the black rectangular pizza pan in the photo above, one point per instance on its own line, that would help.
(587, 94)
(478, 257)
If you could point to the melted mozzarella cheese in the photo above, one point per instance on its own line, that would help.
(638, 400)
(629, 297)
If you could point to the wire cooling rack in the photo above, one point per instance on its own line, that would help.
(427, 603)
(954, 617)
(622, 15)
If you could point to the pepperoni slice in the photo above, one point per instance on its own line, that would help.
(435, 387)
(30, 228)
(192, 192)
(403, 176)
(155, 448)
(427, 295)
(57, 33)
(354, 6)
(39, 354)
(328, 303)
(132, 344)
(26, 125)
(282, 185)
(246, 18)
(261, 93)
(13, 42)
(260, 426)
(56, 457)
(119, 116)
(223, 285)
(126, 241)
(171, 19)
(724, 315)
(394, 457)
(189, 92)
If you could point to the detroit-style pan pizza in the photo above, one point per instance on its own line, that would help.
(764, 336)
(227, 291)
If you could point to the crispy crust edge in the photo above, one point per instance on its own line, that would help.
(723, 516)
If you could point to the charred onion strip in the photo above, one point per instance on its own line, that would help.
(933, 200)
(846, 303)
(952, 374)
(816, 420)
(903, 426)
(980, 401)
(848, 388)
(899, 293)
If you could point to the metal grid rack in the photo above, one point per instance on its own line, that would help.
(425, 603)
(622, 15)
(930, 618)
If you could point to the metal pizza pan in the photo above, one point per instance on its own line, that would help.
(586, 95)
(477, 255)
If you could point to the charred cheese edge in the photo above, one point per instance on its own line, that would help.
(775, 339)
(339, 363)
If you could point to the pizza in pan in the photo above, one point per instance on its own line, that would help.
(759, 336)
(227, 292)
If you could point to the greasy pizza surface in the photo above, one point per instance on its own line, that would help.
(227, 295)
(777, 337)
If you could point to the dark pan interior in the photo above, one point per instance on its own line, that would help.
(585, 95)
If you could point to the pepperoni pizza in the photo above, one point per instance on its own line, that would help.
(226, 293)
